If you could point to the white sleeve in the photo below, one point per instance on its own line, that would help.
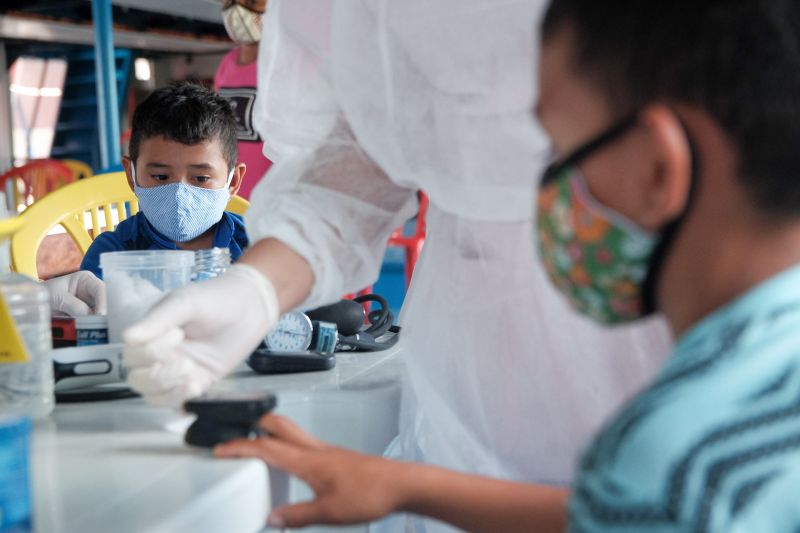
(324, 196)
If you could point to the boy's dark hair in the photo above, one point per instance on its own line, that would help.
(738, 60)
(186, 113)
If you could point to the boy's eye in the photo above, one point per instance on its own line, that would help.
(202, 179)
(159, 177)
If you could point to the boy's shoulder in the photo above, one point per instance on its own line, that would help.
(128, 230)
(130, 234)
(238, 234)
(712, 434)
(239, 219)
(236, 221)
(130, 225)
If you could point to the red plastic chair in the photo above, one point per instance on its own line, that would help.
(36, 179)
(412, 244)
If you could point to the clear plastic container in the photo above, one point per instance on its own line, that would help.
(210, 263)
(26, 388)
(137, 280)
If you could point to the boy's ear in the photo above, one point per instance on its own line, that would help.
(238, 175)
(668, 186)
(127, 164)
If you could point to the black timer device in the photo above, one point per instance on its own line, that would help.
(226, 416)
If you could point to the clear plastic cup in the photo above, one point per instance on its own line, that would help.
(137, 280)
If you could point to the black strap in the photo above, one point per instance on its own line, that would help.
(556, 168)
(669, 234)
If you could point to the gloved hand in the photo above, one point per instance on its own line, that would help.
(197, 334)
(77, 294)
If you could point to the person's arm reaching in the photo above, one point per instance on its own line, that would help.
(325, 196)
(354, 488)
(199, 333)
(335, 207)
(289, 272)
(482, 504)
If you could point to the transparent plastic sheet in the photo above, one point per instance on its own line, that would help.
(371, 100)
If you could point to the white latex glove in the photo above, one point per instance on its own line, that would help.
(77, 294)
(197, 334)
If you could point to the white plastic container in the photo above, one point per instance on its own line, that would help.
(137, 280)
(26, 378)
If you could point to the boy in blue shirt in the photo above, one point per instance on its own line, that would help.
(183, 168)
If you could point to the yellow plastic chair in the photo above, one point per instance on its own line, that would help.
(9, 226)
(237, 205)
(106, 193)
(80, 170)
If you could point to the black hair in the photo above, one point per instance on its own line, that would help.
(186, 113)
(737, 60)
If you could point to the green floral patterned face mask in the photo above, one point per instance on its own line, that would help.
(606, 265)
(593, 255)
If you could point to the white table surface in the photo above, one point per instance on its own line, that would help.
(122, 466)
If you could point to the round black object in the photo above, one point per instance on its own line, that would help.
(348, 315)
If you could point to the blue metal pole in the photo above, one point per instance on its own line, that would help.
(106, 73)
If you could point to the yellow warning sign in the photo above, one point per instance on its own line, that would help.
(12, 348)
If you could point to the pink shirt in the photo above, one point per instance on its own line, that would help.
(238, 84)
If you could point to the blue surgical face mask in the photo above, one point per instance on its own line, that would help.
(181, 212)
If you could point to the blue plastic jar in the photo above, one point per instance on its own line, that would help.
(15, 493)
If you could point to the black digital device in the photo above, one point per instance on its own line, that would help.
(264, 361)
(226, 416)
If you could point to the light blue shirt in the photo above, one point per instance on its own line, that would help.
(713, 444)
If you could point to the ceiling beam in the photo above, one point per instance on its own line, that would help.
(59, 32)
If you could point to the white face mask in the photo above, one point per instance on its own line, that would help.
(242, 24)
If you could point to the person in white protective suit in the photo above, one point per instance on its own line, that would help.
(369, 102)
